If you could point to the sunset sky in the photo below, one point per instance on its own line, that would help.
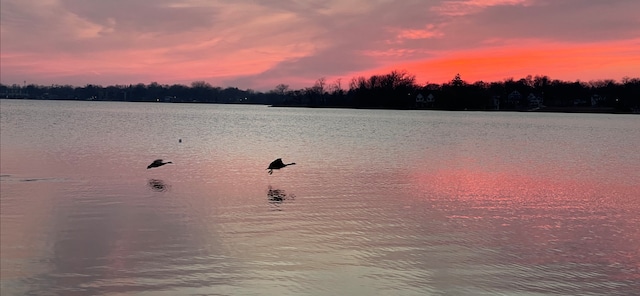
(259, 44)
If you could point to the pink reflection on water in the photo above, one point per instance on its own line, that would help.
(522, 189)
(539, 220)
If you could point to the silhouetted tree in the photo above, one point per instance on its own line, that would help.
(396, 89)
(281, 89)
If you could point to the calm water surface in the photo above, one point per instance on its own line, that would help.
(380, 202)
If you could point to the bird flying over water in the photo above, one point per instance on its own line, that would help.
(277, 164)
(157, 163)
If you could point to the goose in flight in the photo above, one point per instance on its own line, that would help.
(277, 164)
(157, 163)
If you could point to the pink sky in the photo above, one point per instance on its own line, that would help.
(259, 44)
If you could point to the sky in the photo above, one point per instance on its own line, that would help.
(253, 44)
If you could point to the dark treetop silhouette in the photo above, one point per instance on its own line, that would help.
(394, 90)
(277, 164)
(157, 163)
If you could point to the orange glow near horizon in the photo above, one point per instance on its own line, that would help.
(150, 65)
(593, 61)
(558, 61)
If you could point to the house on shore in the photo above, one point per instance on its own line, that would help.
(425, 102)
(534, 101)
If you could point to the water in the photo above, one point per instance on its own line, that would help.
(380, 202)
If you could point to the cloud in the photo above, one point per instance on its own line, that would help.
(259, 44)
(465, 7)
(426, 33)
(567, 20)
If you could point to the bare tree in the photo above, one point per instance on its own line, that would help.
(200, 84)
(320, 83)
(281, 89)
(336, 87)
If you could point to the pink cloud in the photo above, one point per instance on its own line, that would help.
(464, 7)
(258, 43)
(428, 32)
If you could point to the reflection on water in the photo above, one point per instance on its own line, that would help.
(10, 178)
(419, 203)
(278, 196)
(158, 185)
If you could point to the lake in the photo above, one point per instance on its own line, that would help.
(380, 202)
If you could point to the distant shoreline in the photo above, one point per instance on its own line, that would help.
(554, 109)
(569, 109)
(396, 90)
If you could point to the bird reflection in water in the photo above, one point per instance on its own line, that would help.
(278, 196)
(158, 185)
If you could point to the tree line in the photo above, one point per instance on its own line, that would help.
(394, 90)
